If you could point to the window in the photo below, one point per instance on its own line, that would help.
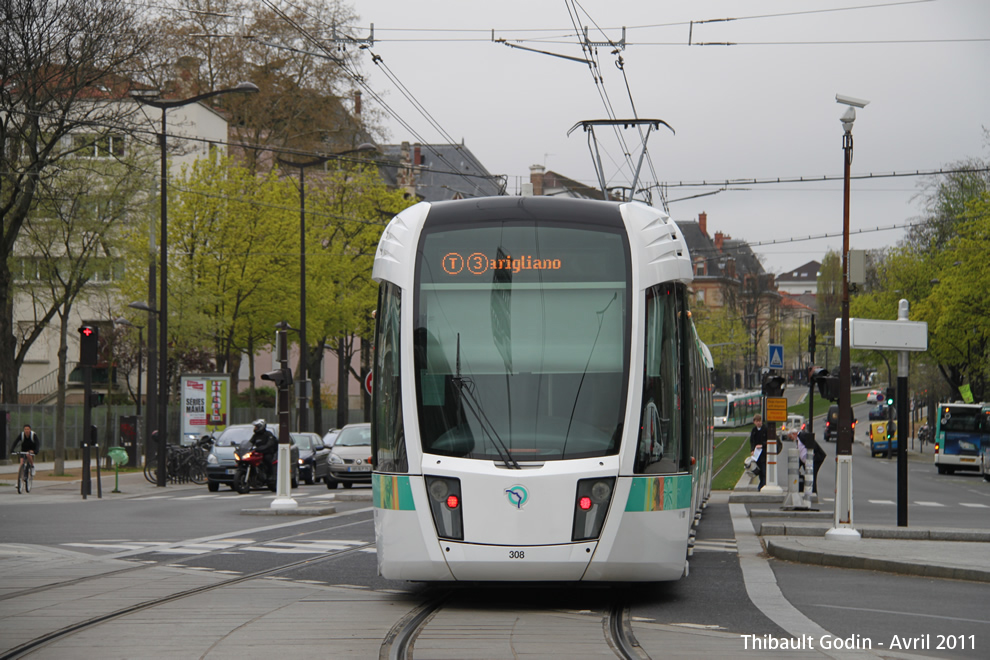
(521, 337)
(90, 145)
(388, 439)
(662, 432)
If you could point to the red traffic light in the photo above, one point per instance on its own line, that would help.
(89, 345)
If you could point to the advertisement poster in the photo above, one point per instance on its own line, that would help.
(205, 404)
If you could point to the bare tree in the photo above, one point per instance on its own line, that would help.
(62, 62)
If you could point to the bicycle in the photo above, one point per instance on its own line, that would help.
(25, 474)
(182, 464)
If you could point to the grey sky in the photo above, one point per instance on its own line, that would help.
(762, 109)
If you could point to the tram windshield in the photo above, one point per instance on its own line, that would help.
(521, 338)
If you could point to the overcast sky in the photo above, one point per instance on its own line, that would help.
(764, 108)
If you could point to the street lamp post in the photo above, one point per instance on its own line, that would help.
(843, 526)
(243, 87)
(140, 328)
(302, 416)
(151, 410)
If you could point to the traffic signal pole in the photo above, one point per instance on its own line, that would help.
(903, 368)
(282, 378)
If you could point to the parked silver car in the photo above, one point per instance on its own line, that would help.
(350, 457)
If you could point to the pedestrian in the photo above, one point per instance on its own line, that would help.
(758, 444)
(806, 442)
(29, 443)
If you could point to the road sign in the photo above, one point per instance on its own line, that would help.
(884, 335)
(776, 360)
(368, 381)
(776, 409)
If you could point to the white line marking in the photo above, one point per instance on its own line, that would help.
(761, 583)
(929, 504)
(929, 616)
(973, 505)
(881, 501)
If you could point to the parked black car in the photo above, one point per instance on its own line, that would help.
(220, 463)
(313, 454)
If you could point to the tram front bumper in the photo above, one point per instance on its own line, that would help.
(471, 562)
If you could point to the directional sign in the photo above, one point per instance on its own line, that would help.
(776, 360)
(776, 409)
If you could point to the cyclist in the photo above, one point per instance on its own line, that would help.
(29, 443)
(265, 442)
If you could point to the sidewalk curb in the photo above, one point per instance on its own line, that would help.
(878, 532)
(825, 558)
(298, 511)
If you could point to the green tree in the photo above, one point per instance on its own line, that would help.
(351, 206)
(726, 336)
(829, 298)
(940, 269)
(231, 236)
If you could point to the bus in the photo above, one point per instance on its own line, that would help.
(735, 408)
(961, 430)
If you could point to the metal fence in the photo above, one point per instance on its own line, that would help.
(107, 420)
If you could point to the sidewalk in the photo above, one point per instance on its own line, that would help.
(799, 536)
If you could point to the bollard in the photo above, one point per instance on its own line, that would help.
(771, 449)
(795, 499)
(809, 477)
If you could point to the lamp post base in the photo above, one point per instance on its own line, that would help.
(843, 526)
(283, 500)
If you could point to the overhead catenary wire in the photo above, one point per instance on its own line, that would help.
(363, 83)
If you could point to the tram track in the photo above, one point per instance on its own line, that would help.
(175, 561)
(399, 643)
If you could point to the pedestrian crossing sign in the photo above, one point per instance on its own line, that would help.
(776, 360)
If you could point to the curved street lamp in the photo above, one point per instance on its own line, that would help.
(302, 416)
(244, 87)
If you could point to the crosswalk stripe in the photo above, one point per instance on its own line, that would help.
(881, 501)
(974, 505)
(929, 504)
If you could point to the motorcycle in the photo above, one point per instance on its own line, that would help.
(251, 471)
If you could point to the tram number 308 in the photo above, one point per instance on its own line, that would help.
(517, 554)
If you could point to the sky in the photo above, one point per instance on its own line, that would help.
(762, 109)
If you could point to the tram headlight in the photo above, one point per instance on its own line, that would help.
(445, 504)
(591, 507)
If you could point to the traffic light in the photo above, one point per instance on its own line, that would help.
(96, 399)
(89, 345)
(890, 396)
(891, 430)
(280, 377)
(773, 385)
(828, 385)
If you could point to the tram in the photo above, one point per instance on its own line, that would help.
(542, 402)
(736, 408)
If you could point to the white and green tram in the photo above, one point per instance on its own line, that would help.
(542, 403)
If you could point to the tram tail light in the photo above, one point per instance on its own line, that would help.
(591, 507)
(445, 504)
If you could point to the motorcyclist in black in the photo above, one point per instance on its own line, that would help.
(265, 442)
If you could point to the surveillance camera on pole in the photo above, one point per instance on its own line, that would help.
(851, 101)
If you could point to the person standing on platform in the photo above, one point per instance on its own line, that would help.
(758, 443)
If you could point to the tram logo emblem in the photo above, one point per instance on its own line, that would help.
(517, 496)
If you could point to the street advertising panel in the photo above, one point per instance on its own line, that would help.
(205, 404)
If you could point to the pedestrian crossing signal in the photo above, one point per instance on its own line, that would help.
(89, 345)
